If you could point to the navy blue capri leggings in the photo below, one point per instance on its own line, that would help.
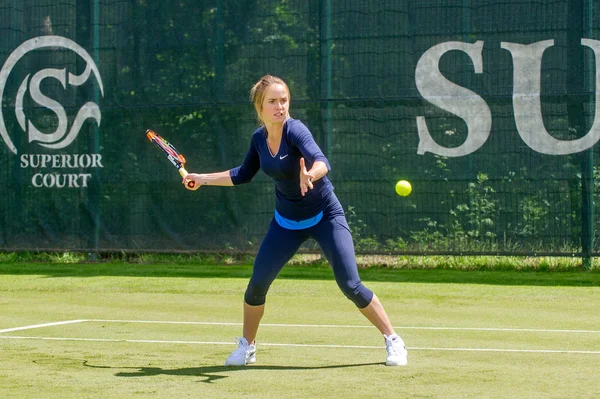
(332, 234)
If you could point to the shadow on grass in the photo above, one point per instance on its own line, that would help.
(118, 269)
(211, 372)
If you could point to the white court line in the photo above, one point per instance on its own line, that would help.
(57, 323)
(215, 323)
(149, 341)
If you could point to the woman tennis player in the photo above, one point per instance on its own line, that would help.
(306, 207)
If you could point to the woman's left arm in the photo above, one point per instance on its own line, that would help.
(301, 137)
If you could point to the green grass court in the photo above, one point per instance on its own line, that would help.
(120, 330)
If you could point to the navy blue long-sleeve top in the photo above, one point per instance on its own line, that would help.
(284, 168)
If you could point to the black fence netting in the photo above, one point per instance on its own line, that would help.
(488, 108)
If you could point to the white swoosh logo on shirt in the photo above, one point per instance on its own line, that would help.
(283, 156)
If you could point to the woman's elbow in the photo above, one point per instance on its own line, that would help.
(242, 180)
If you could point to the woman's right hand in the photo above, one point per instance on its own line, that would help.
(196, 178)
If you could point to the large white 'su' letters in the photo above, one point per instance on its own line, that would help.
(438, 90)
(527, 60)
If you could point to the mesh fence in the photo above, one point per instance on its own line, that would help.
(486, 107)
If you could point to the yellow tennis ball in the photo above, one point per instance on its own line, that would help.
(403, 188)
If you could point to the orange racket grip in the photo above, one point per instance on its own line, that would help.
(184, 173)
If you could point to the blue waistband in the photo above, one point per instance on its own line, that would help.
(298, 225)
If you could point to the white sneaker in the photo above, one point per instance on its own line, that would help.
(397, 354)
(243, 355)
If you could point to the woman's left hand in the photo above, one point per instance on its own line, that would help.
(306, 178)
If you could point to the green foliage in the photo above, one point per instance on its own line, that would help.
(504, 213)
(534, 213)
(52, 257)
(362, 240)
(132, 261)
(471, 225)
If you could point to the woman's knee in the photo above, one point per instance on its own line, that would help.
(360, 295)
(256, 294)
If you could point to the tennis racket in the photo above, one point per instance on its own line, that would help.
(171, 152)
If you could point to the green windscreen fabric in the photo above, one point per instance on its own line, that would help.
(488, 108)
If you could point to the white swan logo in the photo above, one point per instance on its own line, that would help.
(59, 138)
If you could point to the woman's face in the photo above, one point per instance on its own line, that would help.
(275, 105)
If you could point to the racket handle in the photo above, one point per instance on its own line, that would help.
(184, 173)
